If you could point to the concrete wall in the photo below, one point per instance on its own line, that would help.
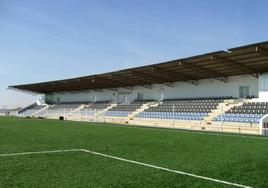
(206, 88)
(40, 99)
(264, 125)
(263, 87)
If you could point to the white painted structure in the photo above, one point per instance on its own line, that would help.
(264, 125)
(41, 99)
(263, 85)
(205, 88)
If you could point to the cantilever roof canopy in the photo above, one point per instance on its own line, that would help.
(251, 59)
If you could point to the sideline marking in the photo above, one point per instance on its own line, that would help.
(129, 161)
(39, 152)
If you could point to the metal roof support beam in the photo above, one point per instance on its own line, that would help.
(169, 84)
(53, 87)
(176, 74)
(103, 83)
(222, 79)
(143, 83)
(113, 80)
(78, 91)
(116, 89)
(147, 86)
(170, 74)
(194, 82)
(108, 83)
(63, 92)
(234, 64)
(112, 89)
(116, 80)
(96, 83)
(155, 78)
(98, 90)
(128, 88)
(65, 85)
(198, 68)
(261, 50)
(76, 86)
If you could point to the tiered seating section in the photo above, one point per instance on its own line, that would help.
(176, 108)
(250, 112)
(32, 110)
(123, 110)
(59, 109)
(183, 108)
(100, 105)
(93, 108)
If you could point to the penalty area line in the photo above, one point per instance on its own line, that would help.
(166, 169)
(129, 161)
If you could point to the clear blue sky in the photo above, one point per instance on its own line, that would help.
(47, 40)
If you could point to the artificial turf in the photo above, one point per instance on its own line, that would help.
(233, 158)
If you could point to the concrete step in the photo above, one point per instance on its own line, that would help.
(142, 109)
(222, 108)
(41, 110)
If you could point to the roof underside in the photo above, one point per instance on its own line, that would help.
(251, 59)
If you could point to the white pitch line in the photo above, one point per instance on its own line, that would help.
(129, 161)
(166, 169)
(39, 152)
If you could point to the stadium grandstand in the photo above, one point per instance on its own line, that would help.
(220, 91)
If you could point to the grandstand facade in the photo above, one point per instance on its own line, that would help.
(219, 91)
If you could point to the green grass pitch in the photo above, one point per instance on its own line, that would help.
(227, 157)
